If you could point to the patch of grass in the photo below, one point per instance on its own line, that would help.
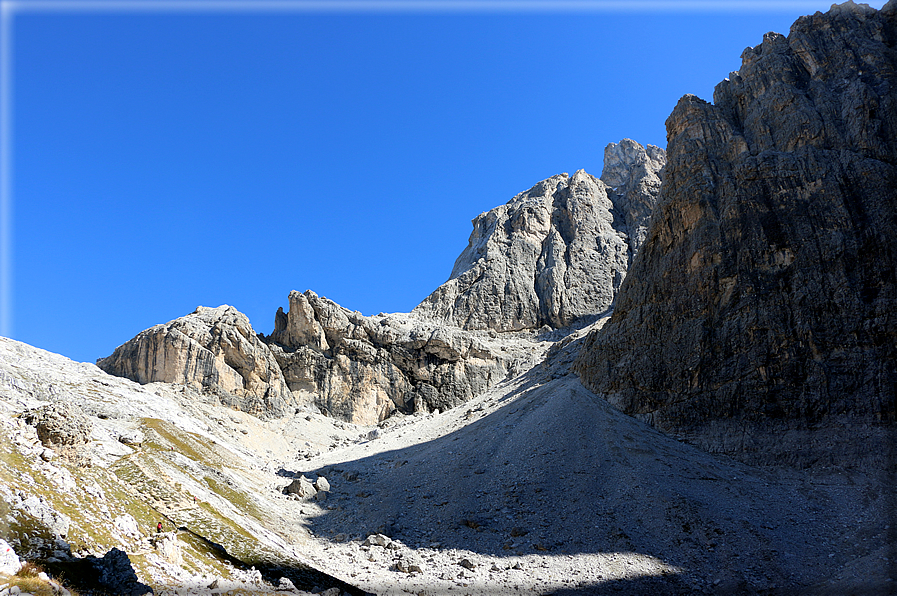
(33, 585)
(194, 446)
(235, 539)
(240, 500)
(30, 569)
(27, 580)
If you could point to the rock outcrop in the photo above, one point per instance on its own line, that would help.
(9, 561)
(59, 424)
(555, 253)
(633, 174)
(114, 574)
(759, 318)
(214, 350)
(362, 369)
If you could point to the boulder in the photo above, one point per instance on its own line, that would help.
(760, 317)
(60, 424)
(376, 540)
(302, 487)
(55, 523)
(9, 561)
(127, 525)
(214, 350)
(169, 549)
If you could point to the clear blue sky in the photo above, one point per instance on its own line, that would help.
(168, 159)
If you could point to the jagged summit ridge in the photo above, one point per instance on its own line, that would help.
(555, 253)
(552, 255)
(363, 369)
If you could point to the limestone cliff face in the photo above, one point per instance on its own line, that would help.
(551, 256)
(362, 369)
(555, 253)
(212, 349)
(759, 318)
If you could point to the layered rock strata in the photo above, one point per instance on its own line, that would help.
(214, 350)
(362, 369)
(555, 253)
(759, 318)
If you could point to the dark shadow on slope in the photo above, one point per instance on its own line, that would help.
(114, 575)
(303, 576)
(555, 470)
(557, 334)
(111, 574)
(283, 473)
(670, 585)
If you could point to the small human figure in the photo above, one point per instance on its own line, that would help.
(159, 528)
(194, 499)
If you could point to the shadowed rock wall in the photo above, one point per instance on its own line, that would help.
(759, 318)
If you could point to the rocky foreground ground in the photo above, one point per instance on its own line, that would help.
(536, 486)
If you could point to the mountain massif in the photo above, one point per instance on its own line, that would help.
(551, 257)
(677, 378)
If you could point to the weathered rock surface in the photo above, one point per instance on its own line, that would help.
(361, 369)
(759, 318)
(60, 424)
(32, 525)
(302, 487)
(555, 253)
(633, 173)
(213, 350)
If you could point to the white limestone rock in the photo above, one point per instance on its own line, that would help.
(556, 253)
(9, 561)
(633, 173)
(214, 350)
(302, 487)
(127, 525)
(60, 423)
(362, 369)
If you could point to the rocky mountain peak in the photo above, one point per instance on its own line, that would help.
(622, 162)
(633, 173)
(554, 254)
(759, 320)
